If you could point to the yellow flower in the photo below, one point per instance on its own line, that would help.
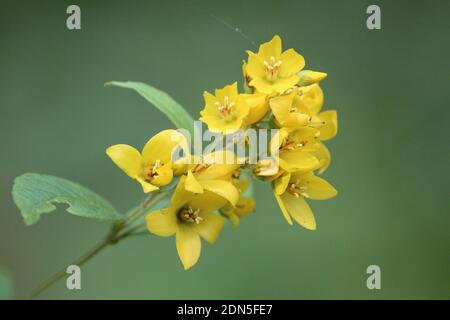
(258, 104)
(214, 174)
(189, 216)
(289, 111)
(301, 107)
(307, 140)
(295, 153)
(154, 167)
(308, 77)
(311, 98)
(303, 138)
(271, 70)
(225, 111)
(290, 191)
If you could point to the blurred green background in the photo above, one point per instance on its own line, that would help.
(390, 158)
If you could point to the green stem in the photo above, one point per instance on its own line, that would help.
(147, 203)
(79, 262)
(117, 233)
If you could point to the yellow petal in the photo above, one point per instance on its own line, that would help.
(225, 189)
(210, 227)
(308, 77)
(188, 246)
(126, 158)
(191, 184)
(299, 160)
(163, 145)
(324, 157)
(295, 120)
(229, 91)
(258, 104)
(292, 63)
(180, 196)
(147, 187)
(210, 108)
(270, 49)
(164, 175)
(330, 127)
(180, 166)
(320, 189)
(283, 209)
(218, 165)
(299, 210)
(219, 124)
(214, 123)
(281, 105)
(280, 184)
(242, 108)
(163, 223)
(255, 67)
(283, 84)
(262, 85)
(207, 202)
(311, 98)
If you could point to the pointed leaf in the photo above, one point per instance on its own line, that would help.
(161, 100)
(35, 194)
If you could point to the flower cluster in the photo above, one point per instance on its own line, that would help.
(278, 94)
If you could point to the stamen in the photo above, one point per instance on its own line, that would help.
(297, 190)
(225, 108)
(272, 67)
(187, 214)
(316, 123)
(150, 171)
(156, 166)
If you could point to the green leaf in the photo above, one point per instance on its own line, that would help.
(35, 194)
(6, 286)
(162, 101)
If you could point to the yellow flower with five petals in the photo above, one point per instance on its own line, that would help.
(154, 167)
(214, 174)
(311, 98)
(290, 190)
(305, 139)
(288, 154)
(289, 111)
(225, 110)
(188, 217)
(271, 70)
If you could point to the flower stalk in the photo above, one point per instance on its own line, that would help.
(118, 232)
